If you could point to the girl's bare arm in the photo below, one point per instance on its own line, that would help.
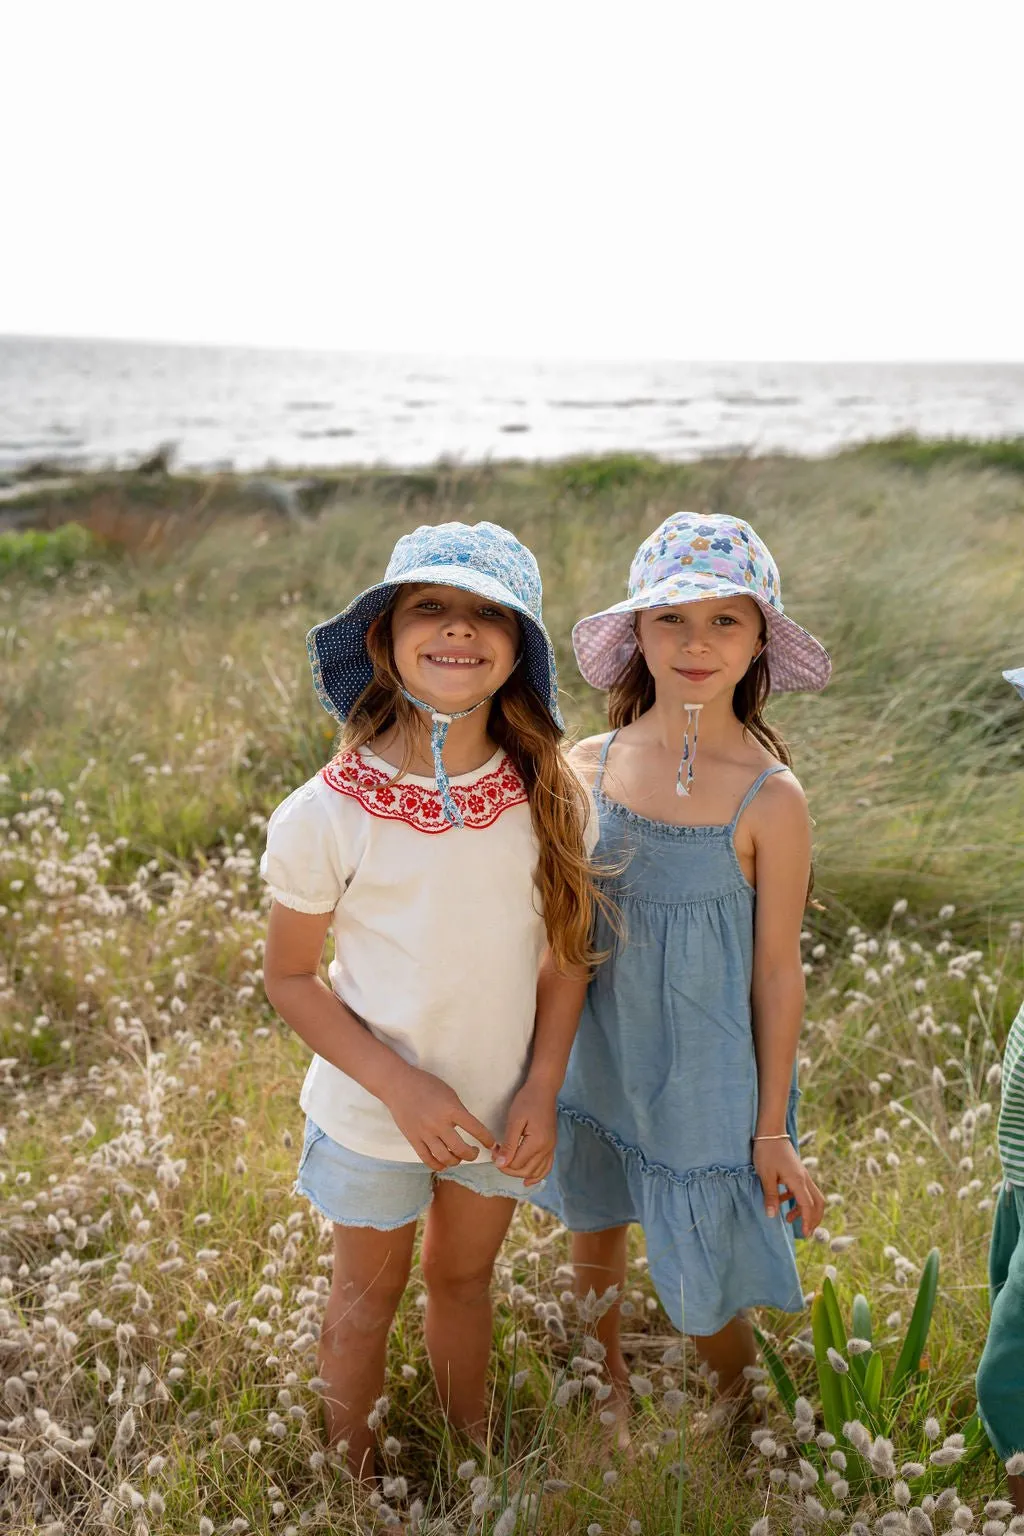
(782, 840)
(425, 1109)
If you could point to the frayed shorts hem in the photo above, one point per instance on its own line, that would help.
(354, 1221)
(351, 1189)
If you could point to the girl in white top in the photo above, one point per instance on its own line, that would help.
(446, 847)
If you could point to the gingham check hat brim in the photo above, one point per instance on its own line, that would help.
(341, 664)
(604, 642)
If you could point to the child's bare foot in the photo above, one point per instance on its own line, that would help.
(729, 1420)
(615, 1417)
(469, 1447)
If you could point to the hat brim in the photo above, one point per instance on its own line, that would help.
(341, 664)
(604, 642)
(1015, 677)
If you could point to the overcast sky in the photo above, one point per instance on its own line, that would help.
(713, 181)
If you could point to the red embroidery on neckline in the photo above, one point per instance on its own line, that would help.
(481, 803)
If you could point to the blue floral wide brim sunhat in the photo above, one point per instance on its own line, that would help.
(690, 558)
(482, 558)
(1015, 676)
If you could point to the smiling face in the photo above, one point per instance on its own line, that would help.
(452, 648)
(697, 651)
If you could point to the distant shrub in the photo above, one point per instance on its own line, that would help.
(38, 553)
(612, 472)
(913, 452)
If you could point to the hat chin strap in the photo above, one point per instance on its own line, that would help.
(684, 778)
(439, 724)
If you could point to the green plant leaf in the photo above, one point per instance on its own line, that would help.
(775, 1366)
(829, 1383)
(874, 1378)
(909, 1362)
(862, 1318)
(838, 1332)
(861, 1330)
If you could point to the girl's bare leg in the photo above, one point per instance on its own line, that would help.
(1016, 1488)
(726, 1353)
(463, 1234)
(371, 1269)
(599, 1260)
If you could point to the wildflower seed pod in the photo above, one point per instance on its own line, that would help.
(124, 1433)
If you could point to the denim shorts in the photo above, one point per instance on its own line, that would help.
(356, 1191)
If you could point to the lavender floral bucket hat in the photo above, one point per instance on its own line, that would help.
(689, 558)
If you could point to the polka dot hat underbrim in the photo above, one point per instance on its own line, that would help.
(604, 642)
(1015, 677)
(341, 664)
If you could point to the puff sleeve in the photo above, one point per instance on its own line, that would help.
(306, 864)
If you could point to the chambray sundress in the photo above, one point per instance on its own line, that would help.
(659, 1103)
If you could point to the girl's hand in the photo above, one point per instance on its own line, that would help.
(531, 1131)
(427, 1113)
(778, 1164)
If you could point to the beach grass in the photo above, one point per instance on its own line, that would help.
(160, 1286)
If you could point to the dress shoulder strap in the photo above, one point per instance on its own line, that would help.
(602, 761)
(752, 791)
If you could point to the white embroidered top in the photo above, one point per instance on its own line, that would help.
(437, 930)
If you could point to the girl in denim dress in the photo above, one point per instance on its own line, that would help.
(678, 1107)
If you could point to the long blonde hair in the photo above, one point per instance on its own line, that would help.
(559, 804)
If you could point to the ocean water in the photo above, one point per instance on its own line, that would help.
(95, 402)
